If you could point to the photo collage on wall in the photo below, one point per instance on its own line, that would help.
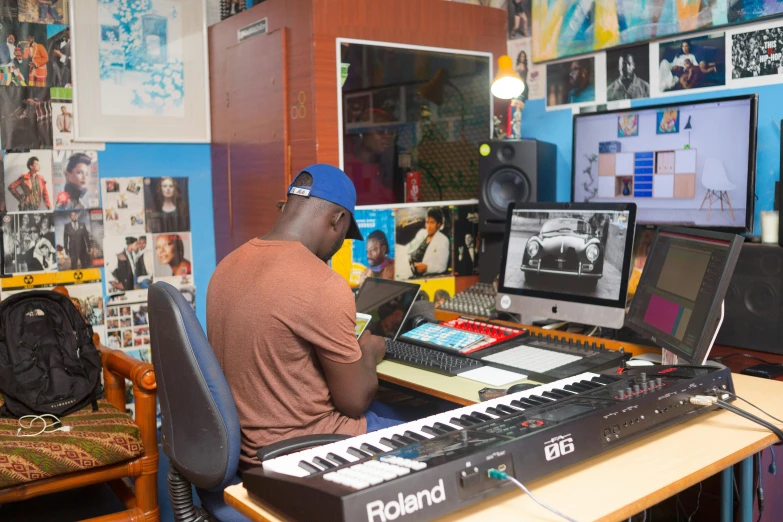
(628, 62)
(424, 245)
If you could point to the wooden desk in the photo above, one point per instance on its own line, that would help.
(630, 479)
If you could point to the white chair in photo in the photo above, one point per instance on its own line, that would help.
(717, 183)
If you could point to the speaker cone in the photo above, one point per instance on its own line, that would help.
(505, 186)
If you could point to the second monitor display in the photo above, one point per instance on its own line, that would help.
(691, 164)
(575, 252)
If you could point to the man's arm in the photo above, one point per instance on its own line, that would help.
(353, 385)
(349, 365)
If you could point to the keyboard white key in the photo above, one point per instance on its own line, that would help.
(289, 464)
(532, 359)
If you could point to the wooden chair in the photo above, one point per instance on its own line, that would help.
(134, 481)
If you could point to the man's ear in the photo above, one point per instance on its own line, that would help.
(336, 217)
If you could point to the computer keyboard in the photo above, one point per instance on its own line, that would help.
(478, 300)
(531, 359)
(429, 358)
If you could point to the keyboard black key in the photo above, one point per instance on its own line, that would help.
(391, 443)
(462, 422)
(528, 403)
(507, 409)
(402, 439)
(337, 459)
(414, 436)
(605, 379)
(309, 467)
(560, 393)
(323, 463)
(496, 412)
(590, 384)
(444, 427)
(371, 449)
(480, 416)
(433, 431)
(573, 388)
(356, 452)
(549, 395)
(468, 418)
(537, 399)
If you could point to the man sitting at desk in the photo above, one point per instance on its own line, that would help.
(281, 322)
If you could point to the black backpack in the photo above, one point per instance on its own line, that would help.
(48, 362)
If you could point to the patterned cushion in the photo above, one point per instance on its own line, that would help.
(97, 438)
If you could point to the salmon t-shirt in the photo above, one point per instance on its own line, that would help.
(271, 306)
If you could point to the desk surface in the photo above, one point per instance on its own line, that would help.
(664, 464)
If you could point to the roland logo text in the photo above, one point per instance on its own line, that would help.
(378, 511)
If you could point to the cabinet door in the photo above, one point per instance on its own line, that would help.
(663, 186)
(685, 161)
(605, 187)
(606, 164)
(685, 186)
(257, 166)
(624, 163)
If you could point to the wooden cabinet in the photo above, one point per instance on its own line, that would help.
(274, 95)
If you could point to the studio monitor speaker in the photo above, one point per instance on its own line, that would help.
(754, 302)
(519, 171)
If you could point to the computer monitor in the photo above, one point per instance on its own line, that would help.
(567, 261)
(388, 302)
(688, 164)
(679, 301)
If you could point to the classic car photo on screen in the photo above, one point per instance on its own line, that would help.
(571, 252)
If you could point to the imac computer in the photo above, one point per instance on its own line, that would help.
(567, 262)
(678, 304)
(686, 164)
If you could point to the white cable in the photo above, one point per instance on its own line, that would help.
(42, 418)
(529, 494)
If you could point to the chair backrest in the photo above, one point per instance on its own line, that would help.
(200, 427)
(714, 176)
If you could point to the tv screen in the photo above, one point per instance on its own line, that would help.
(412, 109)
(688, 164)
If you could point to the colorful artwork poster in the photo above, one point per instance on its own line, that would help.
(692, 63)
(129, 263)
(373, 257)
(565, 27)
(44, 11)
(668, 121)
(627, 125)
(422, 239)
(58, 46)
(438, 290)
(140, 54)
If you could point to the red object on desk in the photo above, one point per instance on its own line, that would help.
(494, 333)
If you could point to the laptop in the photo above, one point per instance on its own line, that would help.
(388, 303)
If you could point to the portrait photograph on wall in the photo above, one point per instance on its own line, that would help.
(628, 73)
(755, 56)
(28, 180)
(75, 175)
(79, 238)
(571, 82)
(692, 63)
(166, 204)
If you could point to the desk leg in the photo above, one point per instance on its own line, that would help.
(727, 494)
(746, 490)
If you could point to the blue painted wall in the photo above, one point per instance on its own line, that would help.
(557, 127)
(123, 160)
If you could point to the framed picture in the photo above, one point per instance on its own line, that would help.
(668, 121)
(627, 125)
(153, 76)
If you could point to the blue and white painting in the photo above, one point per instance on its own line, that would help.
(140, 56)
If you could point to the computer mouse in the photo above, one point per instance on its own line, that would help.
(520, 387)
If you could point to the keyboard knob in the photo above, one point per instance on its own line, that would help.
(659, 382)
(636, 389)
(643, 376)
(628, 392)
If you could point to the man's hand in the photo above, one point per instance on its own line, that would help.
(420, 268)
(373, 344)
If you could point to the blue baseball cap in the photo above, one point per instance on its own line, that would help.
(330, 184)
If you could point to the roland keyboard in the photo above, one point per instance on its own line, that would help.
(431, 467)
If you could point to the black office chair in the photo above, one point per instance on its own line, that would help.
(200, 430)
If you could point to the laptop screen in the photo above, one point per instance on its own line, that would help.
(388, 302)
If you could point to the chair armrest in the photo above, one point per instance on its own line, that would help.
(284, 447)
(140, 373)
